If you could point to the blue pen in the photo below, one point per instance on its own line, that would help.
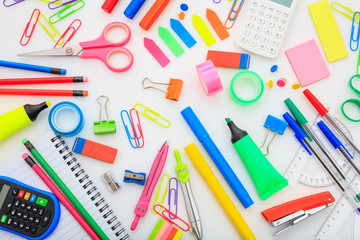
(133, 8)
(32, 67)
(203, 136)
(181, 31)
(337, 144)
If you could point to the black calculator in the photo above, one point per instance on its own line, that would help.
(27, 211)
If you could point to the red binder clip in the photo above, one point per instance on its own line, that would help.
(173, 90)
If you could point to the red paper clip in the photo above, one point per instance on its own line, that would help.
(71, 27)
(138, 124)
(162, 214)
(33, 17)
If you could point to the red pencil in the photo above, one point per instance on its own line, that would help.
(43, 92)
(15, 81)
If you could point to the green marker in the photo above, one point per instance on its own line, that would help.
(170, 41)
(266, 178)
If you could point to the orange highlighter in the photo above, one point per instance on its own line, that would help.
(153, 13)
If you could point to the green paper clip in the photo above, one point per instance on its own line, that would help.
(203, 30)
(170, 41)
(154, 116)
(66, 11)
(106, 126)
(156, 199)
(48, 27)
(343, 10)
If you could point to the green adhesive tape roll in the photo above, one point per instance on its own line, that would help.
(246, 76)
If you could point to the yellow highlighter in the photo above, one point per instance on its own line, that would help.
(20, 117)
(220, 194)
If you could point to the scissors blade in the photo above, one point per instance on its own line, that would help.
(67, 51)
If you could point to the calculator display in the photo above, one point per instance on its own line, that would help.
(286, 3)
(4, 190)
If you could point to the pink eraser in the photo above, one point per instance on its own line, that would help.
(156, 52)
(85, 79)
(25, 155)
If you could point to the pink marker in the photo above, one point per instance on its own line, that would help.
(155, 172)
(156, 52)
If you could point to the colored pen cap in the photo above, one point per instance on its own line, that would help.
(299, 133)
(194, 123)
(329, 135)
(133, 8)
(109, 5)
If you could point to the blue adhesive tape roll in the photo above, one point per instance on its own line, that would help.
(66, 119)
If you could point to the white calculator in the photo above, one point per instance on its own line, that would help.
(265, 25)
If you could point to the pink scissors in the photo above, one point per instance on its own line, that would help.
(100, 48)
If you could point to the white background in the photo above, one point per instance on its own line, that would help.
(124, 90)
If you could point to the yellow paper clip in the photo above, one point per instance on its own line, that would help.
(72, 29)
(66, 11)
(233, 14)
(154, 116)
(54, 35)
(156, 200)
(343, 10)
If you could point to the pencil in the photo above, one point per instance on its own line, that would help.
(31, 67)
(60, 196)
(43, 92)
(16, 81)
(65, 189)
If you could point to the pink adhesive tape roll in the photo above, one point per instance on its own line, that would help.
(209, 78)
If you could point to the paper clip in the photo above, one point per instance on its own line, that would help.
(66, 11)
(32, 22)
(233, 14)
(276, 125)
(49, 27)
(173, 90)
(134, 177)
(156, 115)
(156, 199)
(342, 10)
(353, 38)
(13, 2)
(135, 136)
(104, 126)
(162, 210)
(74, 29)
(59, 4)
(173, 201)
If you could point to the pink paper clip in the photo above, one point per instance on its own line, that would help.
(138, 138)
(11, 4)
(173, 196)
(59, 5)
(34, 17)
(74, 29)
(162, 212)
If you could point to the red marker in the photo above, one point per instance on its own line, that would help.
(44, 92)
(109, 5)
(15, 81)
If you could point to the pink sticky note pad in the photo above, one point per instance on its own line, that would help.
(307, 63)
(156, 52)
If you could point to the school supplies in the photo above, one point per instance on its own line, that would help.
(45, 80)
(233, 13)
(70, 125)
(182, 33)
(307, 63)
(16, 196)
(137, 135)
(209, 78)
(266, 178)
(152, 115)
(100, 48)
(34, 18)
(229, 59)
(345, 11)
(31, 67)
(161, 191)
(9, 3)
(173, 89)
(216, 24)
(265, 26)
(327, 30)
(154, 12)
(58, 3)
(135, 177)
(156, 52)
(66, 11)
(44, 202)
(110, 181)
(173, 196)
(164, 230)
(109, 5)
(203, 30)
(73, 27)
(20, 117)
(295, 211)
(49, 29)
(219, 192)
(156, 169)
(170, 41)
(355, 33)
(104, 126)
(182, 173)
(276, 125)
(240, 96)
(355, 102)
(133, 8)
(281, 82)
(202, 135)
(44, 92)
(94, 150)
(166, 214)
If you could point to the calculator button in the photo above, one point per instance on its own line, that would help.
(283, 21)
(31, 218)
(21, 194)
(27, 227)
(274, 42)
(262, 6)
(276, 18)
(252, 43)
(41, 201)
(28, 207)
(25, 216)
(268, 15)
(285, 14)
(265, 39)
(22, 205)
(33, 229)
(270, 24)
(272, 50)
(262, 46)
(256, 35)
(16, 223)
(252, 10)
(15, 191)
(46, 219)
(27, 196)
(33, 198)
(252, 18)
(19, 214)
(249, 25)
(260, 13)
(3, 218)
(246, 32)
(277, 35)
(261, 21)
(35, 209)
(17, 203)
(268, 32)
(9, 221)
(258, 28)
(41, 211)
(37, 220)
(242, 39)
(13, 212)
(271, 9)
(255, 4)
(9, 205)
(280, 28)
(278, 12)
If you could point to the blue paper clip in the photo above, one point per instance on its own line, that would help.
(134, 177)
(276, 125)
(137, 134)
(173, 201)
(353, 38)
(233, 14)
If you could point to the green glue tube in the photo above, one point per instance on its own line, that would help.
(266, 178)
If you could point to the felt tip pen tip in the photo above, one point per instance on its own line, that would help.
(48, 103)
(25, 155)
(25, 140)
(227, 120)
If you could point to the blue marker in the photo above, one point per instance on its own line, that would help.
(181, 31)
(32, 67)
(133, 8)
(203, 136)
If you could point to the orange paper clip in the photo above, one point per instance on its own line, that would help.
(74, 26)
(163, 211)
(173, 90)
(32, 23)
(233, 14)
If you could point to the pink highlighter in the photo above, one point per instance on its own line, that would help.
(155, 172)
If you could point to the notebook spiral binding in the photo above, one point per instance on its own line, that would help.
(87, 184)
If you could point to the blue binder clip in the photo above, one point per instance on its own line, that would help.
(134, 177)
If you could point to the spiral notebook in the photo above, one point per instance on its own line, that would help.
(57, 154)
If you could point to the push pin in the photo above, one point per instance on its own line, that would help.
(270, 83)
(281, 82)
(173, 90)
(134, 177)
(110, 181)
(295, 86)
(274, 68)
(106, 126)
(276, 125)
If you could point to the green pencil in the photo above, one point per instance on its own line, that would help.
(65, 189)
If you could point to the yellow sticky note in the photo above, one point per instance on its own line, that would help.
(328, 31)
(203, 30)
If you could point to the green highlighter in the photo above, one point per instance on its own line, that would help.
(266, 178)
